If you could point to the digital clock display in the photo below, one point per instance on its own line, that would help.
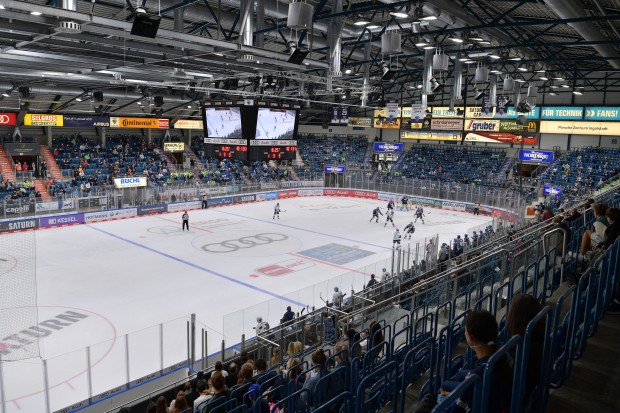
(232, 152)
(262, 153)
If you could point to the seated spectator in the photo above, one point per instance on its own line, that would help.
(613, 230)
(574, 216)
(261, 368)
(376, 337)
(596, 236)
(162, 406)
(205, 394)
(523, 308)
(481, 331)
(220, 393)
(292, 369)
(275, 357)
(220, 368)
(546, 214)
(312, 377)
(244, 382)
(231, 377)
(310, 337)
(179, 404)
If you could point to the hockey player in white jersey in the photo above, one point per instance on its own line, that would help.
(389, 217)
(390, 205)
(419, 214)
(261, 326)
(375, 214)
(396, 239)
(409, 230)
(337, 298)
(276, 211)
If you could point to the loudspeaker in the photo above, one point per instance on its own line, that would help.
(298, 56)
(521, 120)
(299, 16)
(159, 101)
(390, 43)
(98, 96)
(145, 25)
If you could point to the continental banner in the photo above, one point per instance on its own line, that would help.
(432, 135)
(32, 119)
(531, 126)
(139, 123)
(361, 122)
(493, 137)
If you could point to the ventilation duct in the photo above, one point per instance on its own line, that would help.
(259, 7)
(366, 86)
(458, 82)
(427, 75)
(391, 43)
(300, 16)
(246, 33)
(334, 36)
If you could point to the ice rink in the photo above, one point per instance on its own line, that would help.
(112, 278)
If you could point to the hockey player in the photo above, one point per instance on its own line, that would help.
(474, 239)
(390, 205)
(419, 213)
(276, 211)
(457, 246)
(385, 275)
(337, 298)
(396, 239)
(261, 326)
(466, 243)
(375, 214)
(404, 203)
(409, 230)
(389, 217)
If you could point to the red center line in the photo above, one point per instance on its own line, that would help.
(193, 227)
(328, 263)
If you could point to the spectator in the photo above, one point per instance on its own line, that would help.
(523, 308)
(596, 236)
(261, 368)
(220, 393)
(371, 282)
(205, 393)
(574, 216)
(220, 368)
(547, 214)
(613, 230)
(162, 406)
(481, 331)
(310, 337)
(231, 378)
(312, 377)
(376, 338)
(179, 404)
(246, 374)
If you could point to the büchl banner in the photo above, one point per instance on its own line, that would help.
(188, 124)
(134, 182)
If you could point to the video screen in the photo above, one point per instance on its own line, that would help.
(223, 122)
(275, 124)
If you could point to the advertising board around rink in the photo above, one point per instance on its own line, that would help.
(60, 220)
(310, 192)
(454, 206)
(183, 206)
(107, 215)
(20, 225)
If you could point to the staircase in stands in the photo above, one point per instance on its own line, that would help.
(53, 171)
(5, 166)
(198, 165)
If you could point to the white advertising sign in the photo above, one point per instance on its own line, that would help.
(133, 182)
(183, 206)
(105, 215)
(581, 128)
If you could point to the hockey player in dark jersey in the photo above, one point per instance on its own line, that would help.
(419, 214)
(390, 205)
(409, 230)
(375, 214)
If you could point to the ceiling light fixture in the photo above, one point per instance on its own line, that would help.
(420, 42)
(560, 78)
(399, 14)
(36, 13)
(485, 42)
(6, 94)
(373, 26)
(78, 99)
(577, 92)
(554, 94)
(544, 78)
(361, 23)
(348, 71)
(566, 86)
(457, 39)
(2, 7)
(429, 18)
(515, 59)
(429, 47)
(140, 103)
(494, 56)
(468, 62)
(522, 69)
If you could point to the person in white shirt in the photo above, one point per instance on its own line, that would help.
(205, 393)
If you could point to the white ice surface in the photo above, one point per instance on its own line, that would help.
(131, 275)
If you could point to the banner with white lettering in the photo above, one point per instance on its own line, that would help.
(133, 182)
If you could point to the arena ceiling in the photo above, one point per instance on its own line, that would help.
(49, 65)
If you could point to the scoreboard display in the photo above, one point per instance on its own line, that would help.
(263, 150)
(233, 149)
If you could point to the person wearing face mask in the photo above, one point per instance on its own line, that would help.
(481, 331)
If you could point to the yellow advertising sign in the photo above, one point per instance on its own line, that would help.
(32, 119)
(580, 128)
(139, 123)
(188, 124)
(174, 146)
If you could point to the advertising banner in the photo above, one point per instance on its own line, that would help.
(479, 125)
(495, 113)
(562, 112)
(153, 209)
(310, 192)
(529, 155)
(32, 149)
(221, 201)
(97, 201)
(16, 208)
(22, 224)
(270, 196)
(418, 113)
(269, 185)
(188, 124)
(184, 206)
(8, 119)
(453, 206)
(381, 120)
(388, 147)
(334, 169)
(32, 119)
(287, 194)
(383, 196)
(361, 122)
(174, 146)
(244, 198)
(106, 215)
(581, 128)
(392, 111)
(525, 139)
(340, 115)
(56, 205)
(59, 220)
(133, 182)
(602, 113)
(445, 112)
(139, 123)
(432, 135)
(531, 126)
(414, 200)
(73, 121)
(551, 190)
(447, 124)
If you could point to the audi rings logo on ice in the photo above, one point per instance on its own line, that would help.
(251, 241)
